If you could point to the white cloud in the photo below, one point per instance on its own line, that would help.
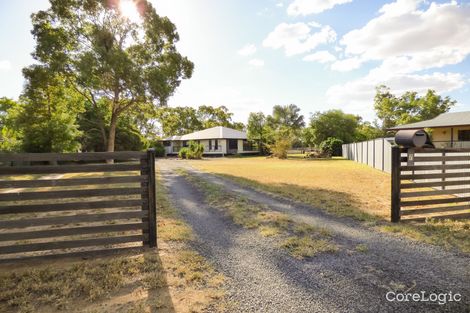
(5, 65)
(346, 65)
(297, 39)
(314, 24)
(400, 7)
(358, 95)
(256, 62)
(306, 7)
(248, 49)
(280, 5)
(408, 37)
(320, 57)
(443, 30)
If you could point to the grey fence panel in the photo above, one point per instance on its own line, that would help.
(371, 153)
(387, 156)
(379, 143)
(375, 153)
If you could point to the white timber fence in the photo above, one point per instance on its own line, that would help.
(376, 153)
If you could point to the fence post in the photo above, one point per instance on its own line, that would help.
(396, 162)
(443, 170)
(152, 214)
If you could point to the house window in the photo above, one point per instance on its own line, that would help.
(216, 145)
(233, 144)
(210, 144)
(464, 135)
(167, 143)
(185, 143)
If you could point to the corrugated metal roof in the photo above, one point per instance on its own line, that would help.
(218, 132)
(443, 120)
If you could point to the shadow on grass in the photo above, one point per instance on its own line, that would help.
(132, 281)
(450, 234)
(335, 202)
(158, 299)
(305, 158)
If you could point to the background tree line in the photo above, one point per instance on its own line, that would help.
(328, 130)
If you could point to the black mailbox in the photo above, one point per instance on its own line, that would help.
(412, 138)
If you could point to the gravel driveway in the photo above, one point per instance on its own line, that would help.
(264, 278)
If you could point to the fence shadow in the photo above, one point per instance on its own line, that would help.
(141, 292)
(330, 201)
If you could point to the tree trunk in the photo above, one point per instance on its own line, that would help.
(112, 135)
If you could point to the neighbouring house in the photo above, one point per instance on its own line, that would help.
(448, 130)
(216, 140)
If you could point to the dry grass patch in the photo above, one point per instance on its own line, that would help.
(447, 233)
(362, 248)
(172, 279)
(55, 289)
(341, 187)
(299, 239)
(306, 246)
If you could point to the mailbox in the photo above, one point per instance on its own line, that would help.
(413, 138)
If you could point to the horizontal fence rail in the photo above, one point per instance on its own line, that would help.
(52, 203)
(430, 183)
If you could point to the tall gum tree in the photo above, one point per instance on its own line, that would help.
(109, 57)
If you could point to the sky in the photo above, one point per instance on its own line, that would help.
(318, 54)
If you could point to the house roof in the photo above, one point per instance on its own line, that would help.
(172, 138)
(443, 120)
(218, 132)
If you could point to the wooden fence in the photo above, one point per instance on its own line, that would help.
(82, 202)
(430, 183)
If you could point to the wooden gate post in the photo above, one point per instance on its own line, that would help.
(396, 162)
(152, 214)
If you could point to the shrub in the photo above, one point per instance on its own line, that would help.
(183, 153)
(193, 151)
(280, 147)
(331, 146)
(159, 150)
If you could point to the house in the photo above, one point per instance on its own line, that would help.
(448, 130)
(216, 140)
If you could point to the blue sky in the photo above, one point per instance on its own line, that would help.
(318, 54)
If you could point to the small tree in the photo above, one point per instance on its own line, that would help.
(282, 142)
(280, 147)
(331, 147)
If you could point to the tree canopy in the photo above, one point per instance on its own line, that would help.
(107, 58)
(183, 120)
(286, 116)
(408, 108)
(333, 123)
